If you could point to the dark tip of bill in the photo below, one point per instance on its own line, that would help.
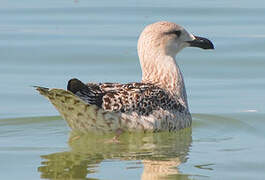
(203, 43)
(210, 45)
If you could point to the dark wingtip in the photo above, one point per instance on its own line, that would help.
(39, 87)
(75, 85)
(42, 90)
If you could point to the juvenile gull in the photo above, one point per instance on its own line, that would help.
(158, 103)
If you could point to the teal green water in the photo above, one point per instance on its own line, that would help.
(48, 42)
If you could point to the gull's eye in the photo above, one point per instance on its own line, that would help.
(176, 32)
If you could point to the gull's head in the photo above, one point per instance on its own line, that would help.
(166, 38)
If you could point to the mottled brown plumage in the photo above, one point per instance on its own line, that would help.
(132, 97)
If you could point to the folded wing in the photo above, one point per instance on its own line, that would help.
(139, 98)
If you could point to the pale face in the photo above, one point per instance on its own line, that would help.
(169, 38)
(177, 39)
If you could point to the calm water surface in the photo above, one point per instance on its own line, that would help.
(48, 42)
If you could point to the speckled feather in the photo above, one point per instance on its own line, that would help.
(140, 98)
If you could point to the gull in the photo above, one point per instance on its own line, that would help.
(157, 103)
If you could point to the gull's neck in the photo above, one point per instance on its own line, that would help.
(163, 71)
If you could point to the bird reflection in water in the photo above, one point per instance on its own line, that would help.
(159, 153)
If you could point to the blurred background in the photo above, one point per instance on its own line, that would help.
(46, 43)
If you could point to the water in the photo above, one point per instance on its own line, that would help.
(48, 42)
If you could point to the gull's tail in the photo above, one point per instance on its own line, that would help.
(43, 90)
(80, 115)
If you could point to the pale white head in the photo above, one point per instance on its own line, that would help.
(158, 45)
(168, 39)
